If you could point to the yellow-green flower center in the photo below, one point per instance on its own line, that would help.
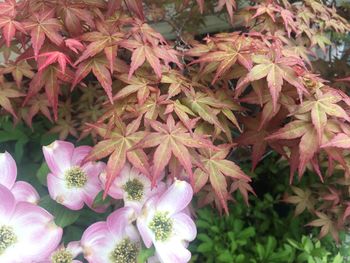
(162, 226)
(75, 177)
(62, 256)
(7, 238)
(125, 252)
(134, 189)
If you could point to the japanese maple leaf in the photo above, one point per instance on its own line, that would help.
(172, 139)
(323, 105)
(230, 6)
(9, 27)
(42, 25)
(341, 140)
(321, 40)
(38, 104)
(288, 20)
(73, 14)
(144, 52)
(18, 71)
(327, 225)
(265, 8)
(106, 39)
(65, 126)
(49, 78)
(53, 57)
(309, 143)
(6, 93)
(206, 106)
(217, 168)
(8, 8)
(136, 7)
(119, 144)
(244, 188)
(227, 56)
(99, 67)
(137, 84)
(302, 199)
(276, 71)
(254, 135)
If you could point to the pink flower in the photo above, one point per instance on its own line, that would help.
(62, 254)
(70, 182)
(27, 231)
(165, 223)
(22, 191)
(115, 240)
(133, 187)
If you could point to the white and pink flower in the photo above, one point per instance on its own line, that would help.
(72, 183)
(165, 223)
(22, 191)
(133, 187)
(115, 240)
(27, 231)
(65, 254)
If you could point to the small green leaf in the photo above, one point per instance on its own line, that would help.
(144, 254)
(338, 259)
(42, 173)
(63, 216)
(99, 201)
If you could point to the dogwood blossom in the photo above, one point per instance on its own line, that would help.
(22, 191)
(133, 187)
(72, 183)
(165, 223)
(27, 231)
(113, 241)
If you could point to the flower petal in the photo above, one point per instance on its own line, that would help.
(145, 232)
(97, 242)
(24, 191)
(119, 220)
(172, 251)
(115, 190)
(7, 204)
(36, 232)
(58, 156)
(75, 248)
(79, 154)
(8, 170)
(70, 198)
(176, 198)
(184, 227)
(93, 169)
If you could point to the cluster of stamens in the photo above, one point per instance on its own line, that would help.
(75, 177)
(134, 188)
(125, 252)
(7, 238)
(162, 226)
(62, 256)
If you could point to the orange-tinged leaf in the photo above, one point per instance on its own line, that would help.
(319, 119)
(327, 225)
(341, 140)
(291, 130)
(115, 164)
(172, 138)
(161, 158)
(308, 146)
(219, 169)
(219, 184)
(104, 77)
(302, 199)
(137, 59)
(43, 25)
